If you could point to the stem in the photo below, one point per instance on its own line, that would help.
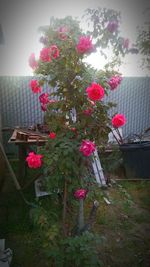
(81, 215)
(119, 135)
(65, 208)
(115, 137)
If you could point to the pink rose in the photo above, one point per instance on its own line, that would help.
(62, 32)
(88, 111)
(95, 92)
(52, 135)
(114, 82)
(45, 54)
(85, 45)
(34, 160)
(44, 98)
(80, 193)
(118, 120)
(54, 51)
(87, 148)
(35, 86)
(112, 26)
(32, 62)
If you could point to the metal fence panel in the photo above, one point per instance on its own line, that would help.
(19, 106)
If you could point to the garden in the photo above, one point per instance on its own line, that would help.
(91, 213)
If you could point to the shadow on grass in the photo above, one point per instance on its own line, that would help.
(124, 224)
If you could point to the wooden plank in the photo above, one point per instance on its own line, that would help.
(98, 171)
(13, 137)
(29, 132)
(35, 141)
(21, 136)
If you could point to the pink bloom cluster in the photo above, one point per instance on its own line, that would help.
(45, 101)
(47, 53)
(87, 148)
(118, 120)
(80, 193)
(85, 45)
(44, 98)
(95, 92)
(34, 160)
(62, 32)
(114, 82)
(112, 26)
(35, 86)
(32, 61)
(54, 51)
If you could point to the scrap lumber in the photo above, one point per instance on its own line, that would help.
(27, 136)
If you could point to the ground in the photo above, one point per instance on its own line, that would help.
(124, 225)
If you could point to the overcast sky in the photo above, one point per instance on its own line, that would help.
(20, 20)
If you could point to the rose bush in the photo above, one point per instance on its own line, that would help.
(80, 90)
(74, 108)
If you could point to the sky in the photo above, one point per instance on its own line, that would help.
(20, 20)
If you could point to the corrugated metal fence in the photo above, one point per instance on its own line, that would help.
(19, 106)
(133, 99)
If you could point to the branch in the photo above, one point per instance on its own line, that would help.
(65, 208)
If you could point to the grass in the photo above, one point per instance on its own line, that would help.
(124, 225)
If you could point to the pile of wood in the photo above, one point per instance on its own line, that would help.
(25, 135)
